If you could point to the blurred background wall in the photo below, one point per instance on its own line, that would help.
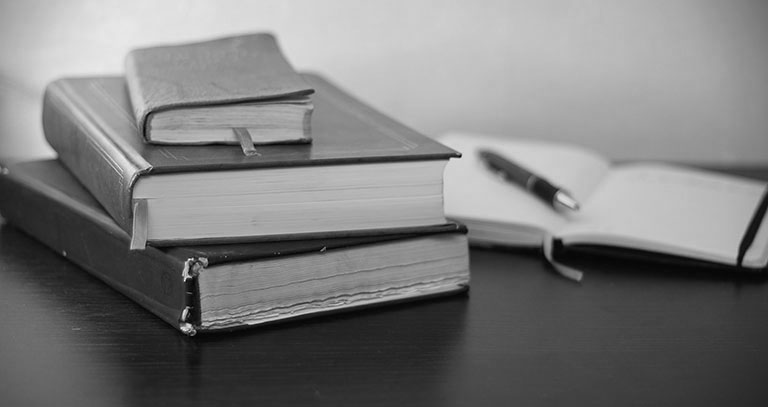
(683, 80)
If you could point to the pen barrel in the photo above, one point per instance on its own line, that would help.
(542, 189)
(516, 174)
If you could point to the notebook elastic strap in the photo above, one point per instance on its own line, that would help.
(754, 226)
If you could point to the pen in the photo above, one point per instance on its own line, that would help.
(511, 172)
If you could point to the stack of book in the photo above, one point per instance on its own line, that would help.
(220, 189)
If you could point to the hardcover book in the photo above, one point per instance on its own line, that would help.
(653, 211)
(213, 91)
(219, 287)
(363, 172)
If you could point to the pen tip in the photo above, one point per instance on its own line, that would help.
(567, 201)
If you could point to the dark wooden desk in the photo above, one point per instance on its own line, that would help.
(629, 335)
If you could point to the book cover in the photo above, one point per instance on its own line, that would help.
(222, 72)
(88, 121)
(43, 199)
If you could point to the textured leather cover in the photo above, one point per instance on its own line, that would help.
(239, 69)
(43, 199)
(88, 121)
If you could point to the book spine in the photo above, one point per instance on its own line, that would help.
(91, 240)
(82, 145)
(137, 97)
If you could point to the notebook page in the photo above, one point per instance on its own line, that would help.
(672, 210)
(482, 200)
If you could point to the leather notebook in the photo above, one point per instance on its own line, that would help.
(198, 93)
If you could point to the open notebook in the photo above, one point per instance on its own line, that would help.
(681, 212)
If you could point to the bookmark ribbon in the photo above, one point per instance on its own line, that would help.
(140, 227)
(565, 271)
(752, 228)
(246, 142)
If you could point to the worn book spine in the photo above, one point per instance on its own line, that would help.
(79, 136)
(87, 236)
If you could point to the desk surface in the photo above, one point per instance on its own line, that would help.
(630, 334)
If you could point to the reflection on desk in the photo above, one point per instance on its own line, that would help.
(523, 336)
